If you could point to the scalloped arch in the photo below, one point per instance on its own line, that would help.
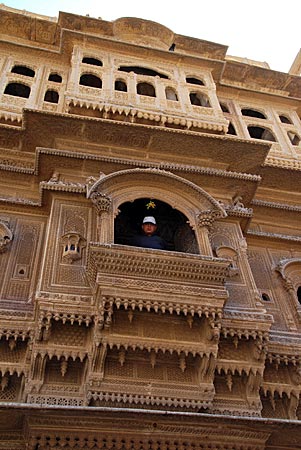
(130, 184)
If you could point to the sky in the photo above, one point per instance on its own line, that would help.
(262, 30)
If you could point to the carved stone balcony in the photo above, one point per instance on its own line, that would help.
(157, 280)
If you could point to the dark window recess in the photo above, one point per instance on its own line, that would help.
(172, 47)
(198, 99)
(231, 129)
(87, 79)
(55, 77)
(142, 71)
(293, 137)
(18, 90)
(172, 225)
(146, 89)
(23, 70)
(299, 294)
(261, 133)
(192, 80)
(92, 61)
(285, 119)
(252, 113)
(224, 108)
(265, 297)
(51, 96)
(120, 86)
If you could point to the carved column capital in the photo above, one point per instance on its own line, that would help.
(206, 218)
(101, 202)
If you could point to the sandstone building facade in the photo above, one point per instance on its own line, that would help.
(108, 346)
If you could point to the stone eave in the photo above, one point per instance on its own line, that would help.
(238, 75)
(281, 177)
(43, 129)
(240, 432)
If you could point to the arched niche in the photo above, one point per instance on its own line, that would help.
(114, 190)
(290, 270)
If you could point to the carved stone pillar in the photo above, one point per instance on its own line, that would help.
(102, 203)
(205, 221)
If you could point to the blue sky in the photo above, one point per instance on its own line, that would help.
(264, 30)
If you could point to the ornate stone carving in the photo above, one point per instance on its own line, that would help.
(101, 202)
(6, 236)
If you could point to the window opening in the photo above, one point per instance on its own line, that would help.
(92, 61)
(55, 77)
(23, 70)
(171, 94)
(252, 113)
(261, 133)
(265, 297)
(224, 108)
(299, 294)
(284, 119)
(198, 99)
(172, 225)
(87, 79)
(172, 47)
(51, 96)
(18, 90)
(142, 71)
(120, 86)
(293, 137)
(146, 89)
(192, 80)
(231, 129)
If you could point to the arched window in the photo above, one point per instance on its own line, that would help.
(261, 133)
(171, 94)
(120, 85)
(87, 79)
(17, 89)
(192, 80)
(224, 108)
(252, 113)
(92, 61)
(299, 294)
(23, 70)
(293, 137)
(55, 77)
(198, 99)
(51, 96)
(284, 119)
(142, 71)
(172, 225)
(231, 129)
(146, 89)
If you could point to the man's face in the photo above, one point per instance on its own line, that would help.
(149, 228)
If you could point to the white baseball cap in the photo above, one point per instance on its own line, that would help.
(149, 219)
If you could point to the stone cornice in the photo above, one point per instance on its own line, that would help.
(276, 236)
(284, 206)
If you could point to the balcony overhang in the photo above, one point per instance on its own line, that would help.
(159, 280)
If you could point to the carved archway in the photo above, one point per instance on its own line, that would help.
(111, 191)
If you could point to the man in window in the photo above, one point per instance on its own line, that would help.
(149, 238)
